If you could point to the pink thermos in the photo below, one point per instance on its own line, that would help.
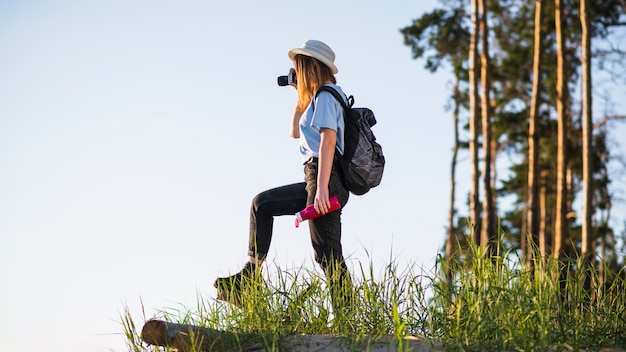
(309, 212)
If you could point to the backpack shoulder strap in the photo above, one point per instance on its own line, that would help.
(337, 96)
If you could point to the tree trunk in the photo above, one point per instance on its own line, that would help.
(494, 177)
(533, 144)
(601, 266)
(604, 224)
(587, 124)
(543, 216)
(561, 236)
(488, 230)
(451, 238)
(473, 125)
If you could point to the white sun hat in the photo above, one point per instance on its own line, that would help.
(318, 50)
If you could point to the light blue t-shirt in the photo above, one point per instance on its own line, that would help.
(323, 112)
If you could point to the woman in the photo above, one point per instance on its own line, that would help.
(318, 123)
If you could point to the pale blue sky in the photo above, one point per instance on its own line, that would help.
(134, 134)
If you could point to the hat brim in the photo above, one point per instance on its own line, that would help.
(293, 52)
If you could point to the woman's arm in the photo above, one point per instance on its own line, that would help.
(294, 131)
(324, 168)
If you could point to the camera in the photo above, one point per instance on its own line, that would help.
(289, 79)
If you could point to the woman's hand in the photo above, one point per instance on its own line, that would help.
(322, 200)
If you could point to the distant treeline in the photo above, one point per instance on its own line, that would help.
(523, 86)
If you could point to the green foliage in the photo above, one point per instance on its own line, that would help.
(440, 35)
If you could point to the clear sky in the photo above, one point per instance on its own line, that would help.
(134, 134)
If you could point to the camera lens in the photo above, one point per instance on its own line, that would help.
(283, 81)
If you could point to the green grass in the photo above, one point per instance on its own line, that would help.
(490, 304)
(494, 305)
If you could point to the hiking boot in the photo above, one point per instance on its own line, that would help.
(230, 289)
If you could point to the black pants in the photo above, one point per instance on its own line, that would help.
(325, 231)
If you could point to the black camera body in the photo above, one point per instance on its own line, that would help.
(289, 79)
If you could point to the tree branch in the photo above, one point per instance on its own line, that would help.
(607, 118)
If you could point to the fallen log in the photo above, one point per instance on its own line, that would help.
(184, 338)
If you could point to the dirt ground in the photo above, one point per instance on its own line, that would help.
(328, 343)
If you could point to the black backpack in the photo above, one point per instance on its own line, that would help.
(362, 162)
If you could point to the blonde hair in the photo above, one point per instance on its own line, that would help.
(311, 74)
